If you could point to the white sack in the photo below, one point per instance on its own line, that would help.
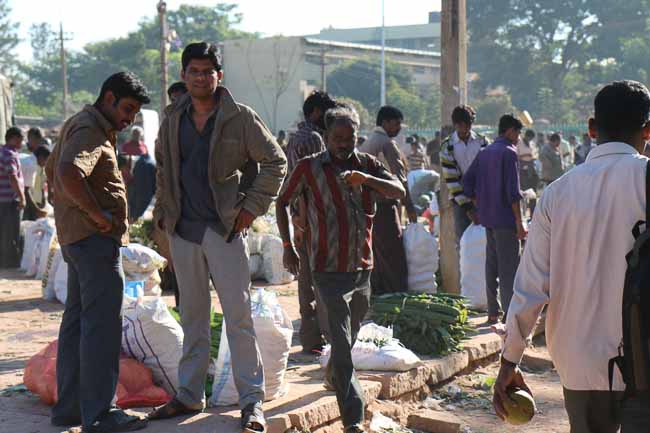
(472, 266)
(256, 267)
(61, 282)
(274, 270)
(421, 249)
(54, 261)
(138, 259)
(274, 333)
(152, 336)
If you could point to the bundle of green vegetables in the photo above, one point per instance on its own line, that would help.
(427, 324)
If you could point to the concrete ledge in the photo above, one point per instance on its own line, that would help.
(325, 409)
(394, 384)
(434, 422)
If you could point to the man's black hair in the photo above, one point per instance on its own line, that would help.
(13, 132)
(463, 114)
(35, 132)
(317, 99)
(621, 109)
(508, 121)
(555, 137)
(42, 152)
(125, 85)
(178, 86)
(387, 113)
(201, 51)
(529, 134)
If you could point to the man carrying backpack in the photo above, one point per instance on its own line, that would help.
(575, 261)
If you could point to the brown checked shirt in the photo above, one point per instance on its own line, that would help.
(88, 141)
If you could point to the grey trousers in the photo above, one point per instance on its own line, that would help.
(347, 298)
(593, 411)
(227, 264)
(501, 262)
(313, 314)
(90, 336)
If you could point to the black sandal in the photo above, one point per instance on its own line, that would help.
(252, 419)
(116, 421)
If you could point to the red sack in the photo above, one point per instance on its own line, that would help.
(135, 386)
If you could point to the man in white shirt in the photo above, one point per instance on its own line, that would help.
(575, 262)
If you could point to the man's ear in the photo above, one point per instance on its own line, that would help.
(645, 132)
(220, 75)
(593, 129)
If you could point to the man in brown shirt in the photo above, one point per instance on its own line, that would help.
(90, 211)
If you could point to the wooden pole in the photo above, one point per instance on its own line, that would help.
(64, 73)
(162, 12)
(453, 73)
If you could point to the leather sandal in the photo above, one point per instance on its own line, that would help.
(172, 409)
(252, 419)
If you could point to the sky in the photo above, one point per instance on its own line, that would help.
(95, 20)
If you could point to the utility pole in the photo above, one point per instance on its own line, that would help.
(162, 14)
(453, 73)
(382, 97)
(323, 72)
(64, 72)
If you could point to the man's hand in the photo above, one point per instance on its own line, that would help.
(243, 221)
(473, 216)
(103, 223)
(355, 178)
(291, 260)
(40, 213)
(21, 202)
(522, 233)
(509, 377)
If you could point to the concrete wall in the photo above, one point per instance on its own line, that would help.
(256, 71)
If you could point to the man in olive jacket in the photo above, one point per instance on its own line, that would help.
(219, 168)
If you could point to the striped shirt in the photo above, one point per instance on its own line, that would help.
(9, 167)
(307, 140)
(340, 217)
(417, 161)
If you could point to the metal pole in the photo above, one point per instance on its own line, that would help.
(323, 76)
(162, 11)
(64, 73)
(383, 57)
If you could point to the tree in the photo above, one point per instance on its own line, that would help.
(527, 45)
(8, 37)
(360, 80)
(364, 116)
(490, 109)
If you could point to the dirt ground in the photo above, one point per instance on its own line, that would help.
(28, 323)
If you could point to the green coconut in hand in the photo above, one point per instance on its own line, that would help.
(520, 407)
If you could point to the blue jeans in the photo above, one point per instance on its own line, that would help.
(346, 296)
(88, 358)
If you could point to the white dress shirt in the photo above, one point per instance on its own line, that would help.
(574, 261)
(465, 152)
(29, 166)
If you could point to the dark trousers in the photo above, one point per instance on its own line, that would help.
(501, 262)
(10, 217)
(391, 272)
(347, 298)
(313, 314)
(88, 357)
(594, 411)
(635, 415)
(461, 222)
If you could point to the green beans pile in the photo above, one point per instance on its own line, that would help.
(427, 324)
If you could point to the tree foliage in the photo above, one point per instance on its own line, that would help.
(557, 52)
(8, 36)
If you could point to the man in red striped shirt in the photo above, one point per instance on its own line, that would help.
(341, 186)
(12, 198)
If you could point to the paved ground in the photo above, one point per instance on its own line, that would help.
(28, 323)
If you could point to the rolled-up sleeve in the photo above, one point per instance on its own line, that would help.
(531, 288)
(511, 177)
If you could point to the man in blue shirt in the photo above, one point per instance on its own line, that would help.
(492, 181)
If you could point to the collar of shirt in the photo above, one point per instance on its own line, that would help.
(472, 136)
(611, 148)
(380, 130)
(101, 120)
(326, 158)
(503, 141)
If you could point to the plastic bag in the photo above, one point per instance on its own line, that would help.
(61, 282)
(135, 386)
(256, 267)
(138, 259)
(274, 333)
(274, 270)
(472, 266)
(152, 336)
(421, 257)
(376, 349)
